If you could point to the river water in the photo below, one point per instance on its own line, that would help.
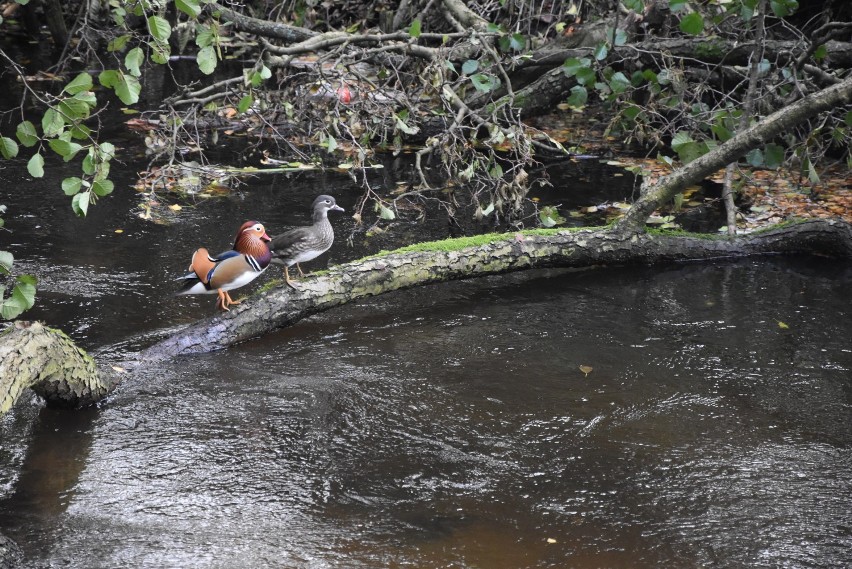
(447, 426)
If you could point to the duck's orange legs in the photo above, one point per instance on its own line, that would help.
(287, 277)
(225, 300)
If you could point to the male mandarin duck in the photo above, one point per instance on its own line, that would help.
(305, 243)
(232, 269)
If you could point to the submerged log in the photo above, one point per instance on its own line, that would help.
(47, 361)
(480, 256)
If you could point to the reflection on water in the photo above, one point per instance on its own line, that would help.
(451, 427)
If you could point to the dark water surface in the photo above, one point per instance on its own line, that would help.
(447, 426)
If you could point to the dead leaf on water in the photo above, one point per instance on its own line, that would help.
(551, 540)
(175, 207)
(586, 370)
(783, 325)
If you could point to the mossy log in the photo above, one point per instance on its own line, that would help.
(485, 255)
(47, 361)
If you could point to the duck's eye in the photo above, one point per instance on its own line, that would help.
(258, 227)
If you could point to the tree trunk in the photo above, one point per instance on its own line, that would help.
(283, 306)
(46, 360)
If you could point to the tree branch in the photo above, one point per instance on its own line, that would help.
(733, 149)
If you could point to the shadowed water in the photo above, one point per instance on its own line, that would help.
(448, 426)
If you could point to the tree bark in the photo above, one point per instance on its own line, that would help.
(46, 360)
(264, 28)
(283, 306)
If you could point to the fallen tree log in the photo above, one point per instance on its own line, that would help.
(47, 361)
(480, 256)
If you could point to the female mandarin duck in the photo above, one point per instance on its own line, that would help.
(231, 269)
(305, 243)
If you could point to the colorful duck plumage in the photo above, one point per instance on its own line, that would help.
(231, 269)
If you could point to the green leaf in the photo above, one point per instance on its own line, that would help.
(573, 65)
(102, 188)
(637, 6)
(87, 97)
(245, 103)
(620, 37)
(265, 72)
(692, 24)
(619, 83)
(847, 118)
(189, 7)
(109, 78)
(64, 148)
(484, 82)
(81, 83)
(11, 308)
(133, 60)
(681, 139)
(813, 177)
(601, 51)
(783, 8)
(470, 67)
(24, 291)
(586, 76)
(207, 59)
(118, 43)
(517, 42)
(128, 89)
(71, 185)
(755, 158)
(721, 132)
(35, 166)
(820, 53)
(386, 212)
(89, 163)
(80, 203)
(8, 147)
(160, 53)
(773, 155)
(107, 150)
(204, 35)
(414, 29)
(159, 28)
(330, 143)
(677, 5)
(26, 134)
(578, 97)
(74, 109)
(101, 170)
(6, 261)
